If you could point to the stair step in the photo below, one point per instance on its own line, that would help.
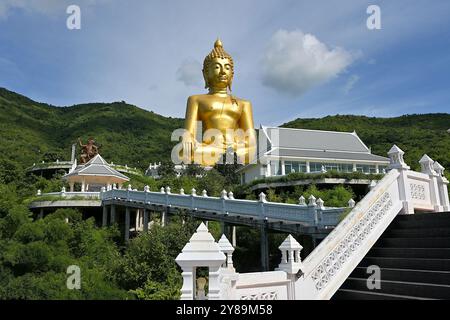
(433, 253)
(441, 242)
(407, 263)
(417, 232)
(435, 291)
(423, 216)
(430, 223)
(348, 294)
(406, 275)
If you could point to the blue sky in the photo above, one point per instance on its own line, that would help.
(292, 58)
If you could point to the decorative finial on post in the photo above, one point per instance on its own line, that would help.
(129, 187)
(39, 193)
(438, 168)
(146, 188)
(320, 203)
(204, 193)
(301, 201)
(182, 191)
(312, 201)
(351, 203)
(223, 194)
(396, 158)
(168, 190)
(262, 197)
(194, 192)
(162, 190)
(227, 249)
(230, 195)
(290, 255)
(427, 164)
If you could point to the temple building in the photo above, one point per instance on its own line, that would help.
(94, 175)
(285, 150)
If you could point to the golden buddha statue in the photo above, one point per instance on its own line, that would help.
(226, 121)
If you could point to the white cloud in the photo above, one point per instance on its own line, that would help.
(190, 73)
(294, 62)
(351, 81)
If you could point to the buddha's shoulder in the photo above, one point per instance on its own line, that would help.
(242, 102)
(198, 97)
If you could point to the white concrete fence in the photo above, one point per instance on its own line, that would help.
(320, 275)
(313, 213)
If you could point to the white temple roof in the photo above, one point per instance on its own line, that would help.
(97, 167)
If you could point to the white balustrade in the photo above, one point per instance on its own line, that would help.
(320, 275)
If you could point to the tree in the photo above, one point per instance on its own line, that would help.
(193, 170)
(166, 169)
(228, 170)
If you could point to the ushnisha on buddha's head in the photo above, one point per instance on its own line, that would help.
(218, 69)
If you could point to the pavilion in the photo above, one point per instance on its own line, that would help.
(287, 150)
(94, 175)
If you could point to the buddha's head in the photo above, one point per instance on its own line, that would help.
(218, 68)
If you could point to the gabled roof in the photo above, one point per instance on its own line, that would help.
(305, 139)
(97, 166)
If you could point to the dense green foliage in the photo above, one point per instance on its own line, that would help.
(32, 132)
(35, 255)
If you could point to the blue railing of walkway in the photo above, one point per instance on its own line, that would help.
(312, 214)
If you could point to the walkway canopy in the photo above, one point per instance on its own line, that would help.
(96, 173)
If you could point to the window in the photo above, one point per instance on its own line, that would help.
(294, 166)
(366, 168)
(345, 167)
(275, 168)
(315, 167)
(340, 167)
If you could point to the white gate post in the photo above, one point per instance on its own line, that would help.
(290, 262)
(442, 186)
(426, 164)
(397, 162)
(201, 251)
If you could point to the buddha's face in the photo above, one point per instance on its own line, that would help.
(219, 73)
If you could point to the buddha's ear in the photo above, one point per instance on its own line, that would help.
(230, 83)
(205, 78)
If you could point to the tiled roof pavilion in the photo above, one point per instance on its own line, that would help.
(95, 172)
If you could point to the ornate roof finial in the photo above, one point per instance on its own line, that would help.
(218, 43)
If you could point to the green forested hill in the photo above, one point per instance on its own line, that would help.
(31, 132)
(414, 134)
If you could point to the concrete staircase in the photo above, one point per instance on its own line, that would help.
(414, 257)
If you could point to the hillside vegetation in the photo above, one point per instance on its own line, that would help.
(32, 132)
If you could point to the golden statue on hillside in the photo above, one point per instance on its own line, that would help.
(226, 122)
